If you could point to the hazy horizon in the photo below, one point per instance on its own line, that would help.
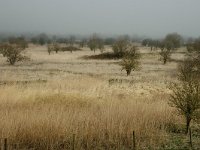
(153, 18)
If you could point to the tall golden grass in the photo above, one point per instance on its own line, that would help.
(47, 115)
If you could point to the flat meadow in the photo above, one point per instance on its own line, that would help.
(63, 100)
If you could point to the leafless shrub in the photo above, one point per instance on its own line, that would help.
(186, 94)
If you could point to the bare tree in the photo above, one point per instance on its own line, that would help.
(100, 45)
(82, 43)
(56, 47)
(72, 40)
(120, 47)
(186, 94)
(95, 42)
(92, 44)
(53, 47)
(20, 41)
(49, 48)
(194, 47)
(149, 43)
(42, 39)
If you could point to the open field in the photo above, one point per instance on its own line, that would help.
(48, 99)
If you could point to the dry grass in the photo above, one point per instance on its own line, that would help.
(78, 99)
(48, 115)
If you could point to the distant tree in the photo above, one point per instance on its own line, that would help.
(53, 47)
(12, 52)
(49, 41)
(54, 38)
(50, 48)
(72, 40)
(61, 40)
(95, 42)
(56, 47)
(186, 94)
(20, 41)
(34, 40)
(194, 47)
(100, 45)
(67, 41)
(42, 39)
(175, 39)
(136, 39)
(109, 41)
(130, 60)
(165, 53)
(82, 43)
(189, 70)
(153, 44)
(120, 47)
(146, 42)
(92, 44)
(190, 40)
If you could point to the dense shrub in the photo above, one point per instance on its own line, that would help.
(166, 50)
(130, 60)
(175, 39)
(12, 53)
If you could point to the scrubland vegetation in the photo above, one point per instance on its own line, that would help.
(69, 95)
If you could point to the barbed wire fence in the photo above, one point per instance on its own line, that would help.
(8, 145)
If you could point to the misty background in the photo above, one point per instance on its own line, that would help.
(154, 18)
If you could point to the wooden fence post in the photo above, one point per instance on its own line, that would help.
(190, 137)
(134, 142)
(87, 147)
(73, 142)
(4, 144)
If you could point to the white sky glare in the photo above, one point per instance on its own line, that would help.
(143, 17)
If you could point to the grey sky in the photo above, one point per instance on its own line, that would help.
(142, 17)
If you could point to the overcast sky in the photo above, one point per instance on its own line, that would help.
(143, 17)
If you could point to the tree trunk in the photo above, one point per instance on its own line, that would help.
(128, 72)
(165, 61)
(188, 120)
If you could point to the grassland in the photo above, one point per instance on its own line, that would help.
(45, 101)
